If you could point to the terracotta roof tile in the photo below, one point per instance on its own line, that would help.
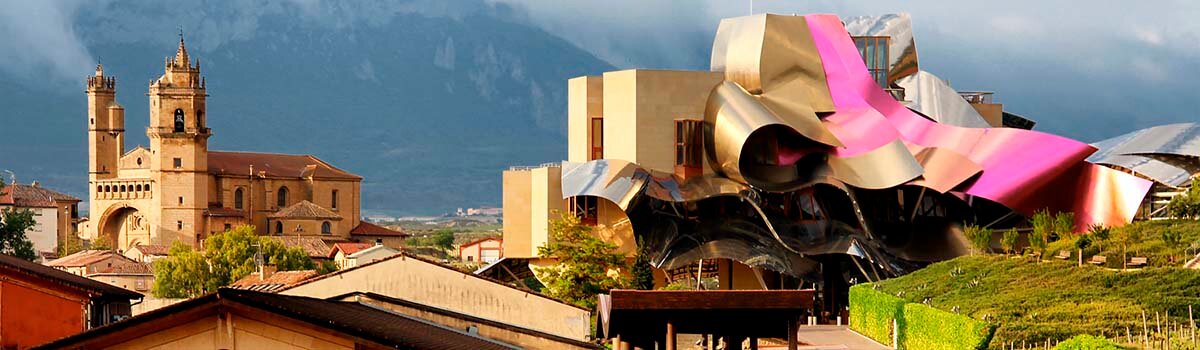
(225, 212)
(81, 258)
(305, 210)
(123, 268)
(153, 249)
(315, 247)
(27, 196)
(274, 282)
(368, 229)
(356, 320)
(54, 275)
(348, 248)
(292, 166)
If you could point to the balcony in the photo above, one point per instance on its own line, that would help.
(977, 97)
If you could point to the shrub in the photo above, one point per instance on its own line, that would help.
(923, 327)
(1087, 342)
(980, 238)
(872, 312)
(1042, 229)
(1009, 240)
(1064, 225)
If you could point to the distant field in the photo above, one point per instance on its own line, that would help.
(1035, 301)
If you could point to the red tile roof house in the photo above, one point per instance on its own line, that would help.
(55, 213)
(40, 303)
(485, 250)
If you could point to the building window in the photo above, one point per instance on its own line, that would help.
(688, 142)
(178, 162)
(99, 189)
(597, 138)
(874, 51)
(228, 227)
(121, 188)
(279, 227)
(281, 197)
(333, 199)
(237, 198)
(138, 187)
(326, 228)
(199, 118)
(180, 200)
(179, 224)
(585, 208)
(179, 120)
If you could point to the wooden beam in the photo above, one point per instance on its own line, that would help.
(793, 328)
(670, 336)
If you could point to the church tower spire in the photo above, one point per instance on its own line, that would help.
(181, 55)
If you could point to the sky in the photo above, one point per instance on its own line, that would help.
(1088, 72)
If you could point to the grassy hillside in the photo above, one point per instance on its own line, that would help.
(1034, 301)
(1165, 243)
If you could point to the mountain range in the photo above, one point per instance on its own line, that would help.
(430, 107)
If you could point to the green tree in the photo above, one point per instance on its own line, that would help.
(1082, 242)
(1064, 225)
(101, 242)
(1042, 228)
(14, 223)
(1186, 205)
(1127, 237)
(643, 273)
(584, 263)
(443, 239)
(227, 257)
(1100, 234)
(1009, 240)
(71, 245)
(980, 237)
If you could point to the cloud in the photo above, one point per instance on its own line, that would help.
(40, 42)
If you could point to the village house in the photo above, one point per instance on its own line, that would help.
(55, 214)
(40, 303)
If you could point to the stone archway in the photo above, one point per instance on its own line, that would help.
(125, 226)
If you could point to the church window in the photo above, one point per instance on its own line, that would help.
(180, 200)
(138, 187)
(279, 227)
(178, 162)
(122, 188)
(179, 120)
(93, 121)
(199, 118)
(326, 228)
(139, 161)
(179, 224)
(107, 188)
(333, 200)
(237, 198)
(281, 198)
(99, 189)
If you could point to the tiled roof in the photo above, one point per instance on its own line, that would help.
(225, 212)
(293, 166)
(274, 282)
(481, 240)
(305, 210)
(81, 258)
(348, 248)
(27, 196)
(54, 275)
(368, 229)
(123, 268)
(153, 249)
(315, 247)
(350, 318)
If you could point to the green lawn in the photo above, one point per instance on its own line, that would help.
(1035, 301)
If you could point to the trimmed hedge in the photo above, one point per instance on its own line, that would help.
(872, 312)
(921, 327)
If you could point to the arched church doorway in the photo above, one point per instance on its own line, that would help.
(125, 227)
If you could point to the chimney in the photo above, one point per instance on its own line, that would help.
(265, 271)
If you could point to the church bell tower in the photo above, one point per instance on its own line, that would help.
(179, 142)
(105, 125)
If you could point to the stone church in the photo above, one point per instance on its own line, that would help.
(178, 190)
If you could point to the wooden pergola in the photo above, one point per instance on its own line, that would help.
(646, 318)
